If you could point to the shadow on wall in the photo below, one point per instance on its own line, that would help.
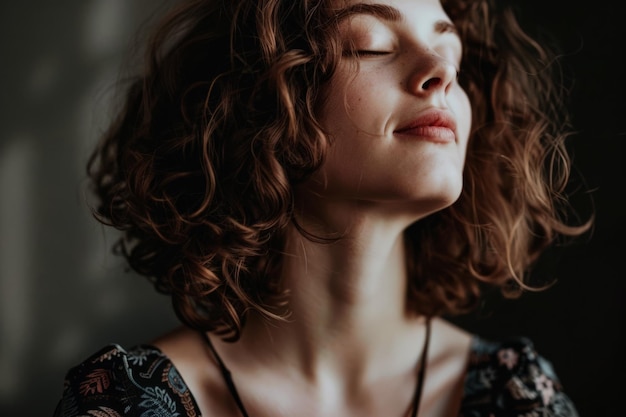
(63, 295)
(61, 292)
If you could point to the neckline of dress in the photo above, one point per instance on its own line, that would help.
(417, 394)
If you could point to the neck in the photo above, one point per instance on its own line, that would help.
(347, 303)
(347, 285)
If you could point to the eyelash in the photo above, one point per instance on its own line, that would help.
(371, 53)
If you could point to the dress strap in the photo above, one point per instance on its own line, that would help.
(227, 376)
(421, 373)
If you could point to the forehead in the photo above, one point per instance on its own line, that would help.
(393, 10)
(392, 3)
(415, 13)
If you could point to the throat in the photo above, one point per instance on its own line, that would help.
(360, 279)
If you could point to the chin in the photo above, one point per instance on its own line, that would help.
(435, 202)
(446, 189)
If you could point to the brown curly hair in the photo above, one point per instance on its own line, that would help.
(198, 169)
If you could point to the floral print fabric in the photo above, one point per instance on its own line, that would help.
(509, 379)
(113, 382)
(506, 379)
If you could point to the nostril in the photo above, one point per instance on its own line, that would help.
(431, 82)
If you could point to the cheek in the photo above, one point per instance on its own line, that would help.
(357, 104)
(335, 104)
(355, 85)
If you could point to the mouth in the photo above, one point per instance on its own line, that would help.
(433, 125)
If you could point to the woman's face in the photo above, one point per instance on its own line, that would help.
(398, 117)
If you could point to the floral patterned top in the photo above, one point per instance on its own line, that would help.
(504, 379)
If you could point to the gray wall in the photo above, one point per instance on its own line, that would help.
(63, 295)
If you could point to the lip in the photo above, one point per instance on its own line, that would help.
(434, 125)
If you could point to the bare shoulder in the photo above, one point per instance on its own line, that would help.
(190, 355)
(181, 344)
(184, 348)
(449, 353)
(451, 336)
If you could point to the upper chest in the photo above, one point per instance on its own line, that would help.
(265, 393)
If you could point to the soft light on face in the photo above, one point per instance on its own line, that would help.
(397, 115)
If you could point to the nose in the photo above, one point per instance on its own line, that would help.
(432, 74)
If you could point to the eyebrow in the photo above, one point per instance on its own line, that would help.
(382, 11)
(388, 13)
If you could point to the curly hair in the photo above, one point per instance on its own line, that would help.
(199, 167)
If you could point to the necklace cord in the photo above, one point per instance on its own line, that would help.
(416, 396)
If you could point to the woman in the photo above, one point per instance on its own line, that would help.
(316, 183)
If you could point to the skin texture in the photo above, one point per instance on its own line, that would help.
(349, 348)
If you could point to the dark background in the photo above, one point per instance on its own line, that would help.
(63, 295)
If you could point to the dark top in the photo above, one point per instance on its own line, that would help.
(504, 379)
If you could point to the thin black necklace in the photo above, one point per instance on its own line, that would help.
(416, 396)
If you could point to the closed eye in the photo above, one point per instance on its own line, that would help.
(371, 53)
(364, 53)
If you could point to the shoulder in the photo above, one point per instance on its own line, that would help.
(115, 382)
(510, 378)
